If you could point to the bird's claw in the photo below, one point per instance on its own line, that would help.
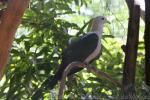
(83, 64)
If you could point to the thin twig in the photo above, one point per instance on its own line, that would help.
(91, 69)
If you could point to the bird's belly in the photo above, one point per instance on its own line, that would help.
(93, 54)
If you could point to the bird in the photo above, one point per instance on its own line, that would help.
(85, 49)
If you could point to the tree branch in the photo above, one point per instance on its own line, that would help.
(91, 69)
(131, 50)
(147, 42)
(10, 20)
(130, 4)
(141, 3)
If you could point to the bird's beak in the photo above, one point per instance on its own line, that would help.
(106, 21)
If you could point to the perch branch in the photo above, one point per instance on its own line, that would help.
(63, 79)
(9, 21)
(91, 69)
(100, 73)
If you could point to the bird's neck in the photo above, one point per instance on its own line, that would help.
(98, 29)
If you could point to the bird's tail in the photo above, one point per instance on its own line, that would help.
(49, 83)
(53, 81)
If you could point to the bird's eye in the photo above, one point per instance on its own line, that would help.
(102, 18)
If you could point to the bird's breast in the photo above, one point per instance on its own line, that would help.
(94, 54)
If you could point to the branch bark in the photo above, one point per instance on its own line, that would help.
(131, 50)
(89, 68)
(130, 6)
(10, 20)
(147, 42)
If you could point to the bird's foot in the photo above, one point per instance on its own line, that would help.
(84, 64)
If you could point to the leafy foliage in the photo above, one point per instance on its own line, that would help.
(44, 33)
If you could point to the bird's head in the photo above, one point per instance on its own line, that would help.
(99, 20)
(98, 23)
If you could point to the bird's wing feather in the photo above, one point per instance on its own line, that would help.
(80, 50)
